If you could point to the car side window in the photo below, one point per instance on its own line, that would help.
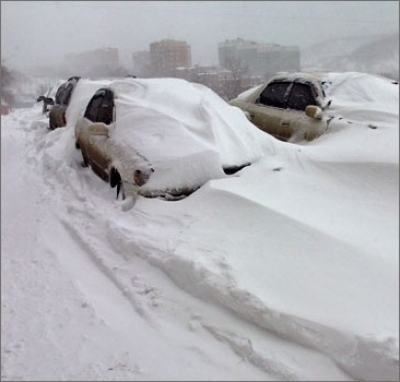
(301, 96)
(100, 108)
(275, 94)
(93, 107)
(60, 94)
(67, 94)
(64, 92)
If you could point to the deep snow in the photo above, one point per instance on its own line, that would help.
(287, 271)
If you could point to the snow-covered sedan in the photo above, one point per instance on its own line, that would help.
(289, 106)
(302, 106)
(57, 113)
(163, 137)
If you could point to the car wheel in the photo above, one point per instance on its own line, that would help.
(85, 161)
(120, 189)
(51, 124)
(116, 181)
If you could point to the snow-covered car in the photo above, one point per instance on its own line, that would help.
(302, 106)
(48, 102)
(163, 137)
(48, 98)
(57, 112)
(289, 106)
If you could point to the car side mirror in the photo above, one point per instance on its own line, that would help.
(48, 101)
(39, 99)
(313, 111)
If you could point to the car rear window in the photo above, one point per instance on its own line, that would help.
(100, 108)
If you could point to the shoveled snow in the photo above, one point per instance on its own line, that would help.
(287, 271)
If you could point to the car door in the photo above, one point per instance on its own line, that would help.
(266, 111)
(62, 98)
(56, 112)
(100, 112)
(302, 94)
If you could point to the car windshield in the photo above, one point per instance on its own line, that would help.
(275, 94)
(300, 97)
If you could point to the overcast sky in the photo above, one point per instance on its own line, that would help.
(42, 32)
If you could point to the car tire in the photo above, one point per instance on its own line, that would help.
(85, 161)
(120, 189)
(51, 125)
(116, 181)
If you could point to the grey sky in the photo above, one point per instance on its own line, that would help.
(42, 32)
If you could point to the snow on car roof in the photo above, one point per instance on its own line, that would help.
(183, 127)
(80, 97)
(353, 95)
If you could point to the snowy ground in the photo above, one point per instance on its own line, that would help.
(288, 271)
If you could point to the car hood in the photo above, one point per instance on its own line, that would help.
(358, 96)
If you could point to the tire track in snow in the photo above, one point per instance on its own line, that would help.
(93, 255)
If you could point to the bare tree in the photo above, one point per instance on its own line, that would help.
(7, 80)
(234, 77)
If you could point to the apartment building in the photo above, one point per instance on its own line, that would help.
(255, 59)
(141, 65)
(167, 55)
(96, 62)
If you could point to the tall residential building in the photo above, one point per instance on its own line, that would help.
(98, 61)
(255, 59)
(238, 54)
(167, 55)
(275, 58)
(141, 64)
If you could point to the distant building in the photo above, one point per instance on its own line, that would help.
(275, 58)
(167, 55)
(97, 62)
(141, 65)
(255, 59)
(239, 53)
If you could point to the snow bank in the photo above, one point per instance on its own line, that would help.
(287, 271)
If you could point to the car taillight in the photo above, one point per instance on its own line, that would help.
(64, 119)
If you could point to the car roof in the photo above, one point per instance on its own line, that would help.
(299, 76)
(187, 120)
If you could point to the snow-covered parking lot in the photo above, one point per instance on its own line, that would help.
(287, 271)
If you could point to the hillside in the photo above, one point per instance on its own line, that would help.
(370, 54)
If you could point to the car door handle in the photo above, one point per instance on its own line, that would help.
(285, 123)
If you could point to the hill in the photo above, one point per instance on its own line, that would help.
(370, 54)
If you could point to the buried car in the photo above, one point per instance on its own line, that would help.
(48, 98)
(163, 137)
(302, 106)
(59, 107)
(289, 106)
